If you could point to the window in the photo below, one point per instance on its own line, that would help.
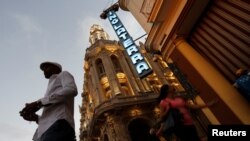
(147, 7)
(100, 68)
(116, 64)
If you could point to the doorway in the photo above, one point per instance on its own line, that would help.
(139, 130)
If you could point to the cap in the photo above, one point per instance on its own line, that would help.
(42, 66)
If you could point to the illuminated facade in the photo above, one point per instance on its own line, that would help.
(117, 105)
(208, 40)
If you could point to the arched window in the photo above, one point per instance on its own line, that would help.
(116, 64)
(100, 68)
(106, 138)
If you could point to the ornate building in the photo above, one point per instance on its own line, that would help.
(207, 40)
(116, 104)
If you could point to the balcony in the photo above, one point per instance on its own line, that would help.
(118, 102)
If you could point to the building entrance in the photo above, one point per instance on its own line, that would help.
(139, 131)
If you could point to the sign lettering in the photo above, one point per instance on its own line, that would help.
(141, 65)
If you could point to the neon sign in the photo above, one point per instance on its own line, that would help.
(140, 64)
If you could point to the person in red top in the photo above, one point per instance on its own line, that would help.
(186, 131)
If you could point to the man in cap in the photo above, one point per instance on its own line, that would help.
(57, 120)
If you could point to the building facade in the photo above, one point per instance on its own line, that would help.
(117, 105)
(207, 41)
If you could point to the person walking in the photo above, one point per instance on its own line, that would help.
(56, 122)
(186, 130)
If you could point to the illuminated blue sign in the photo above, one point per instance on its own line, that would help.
(141, 66)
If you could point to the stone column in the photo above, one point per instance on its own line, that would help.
(198, 69)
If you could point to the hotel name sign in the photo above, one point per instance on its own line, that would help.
(138, 60)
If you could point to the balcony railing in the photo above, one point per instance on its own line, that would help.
(120, 101)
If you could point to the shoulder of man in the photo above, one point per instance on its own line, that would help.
(65, 74)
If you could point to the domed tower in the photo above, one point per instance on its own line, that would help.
(117, 104)
(97, 33)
